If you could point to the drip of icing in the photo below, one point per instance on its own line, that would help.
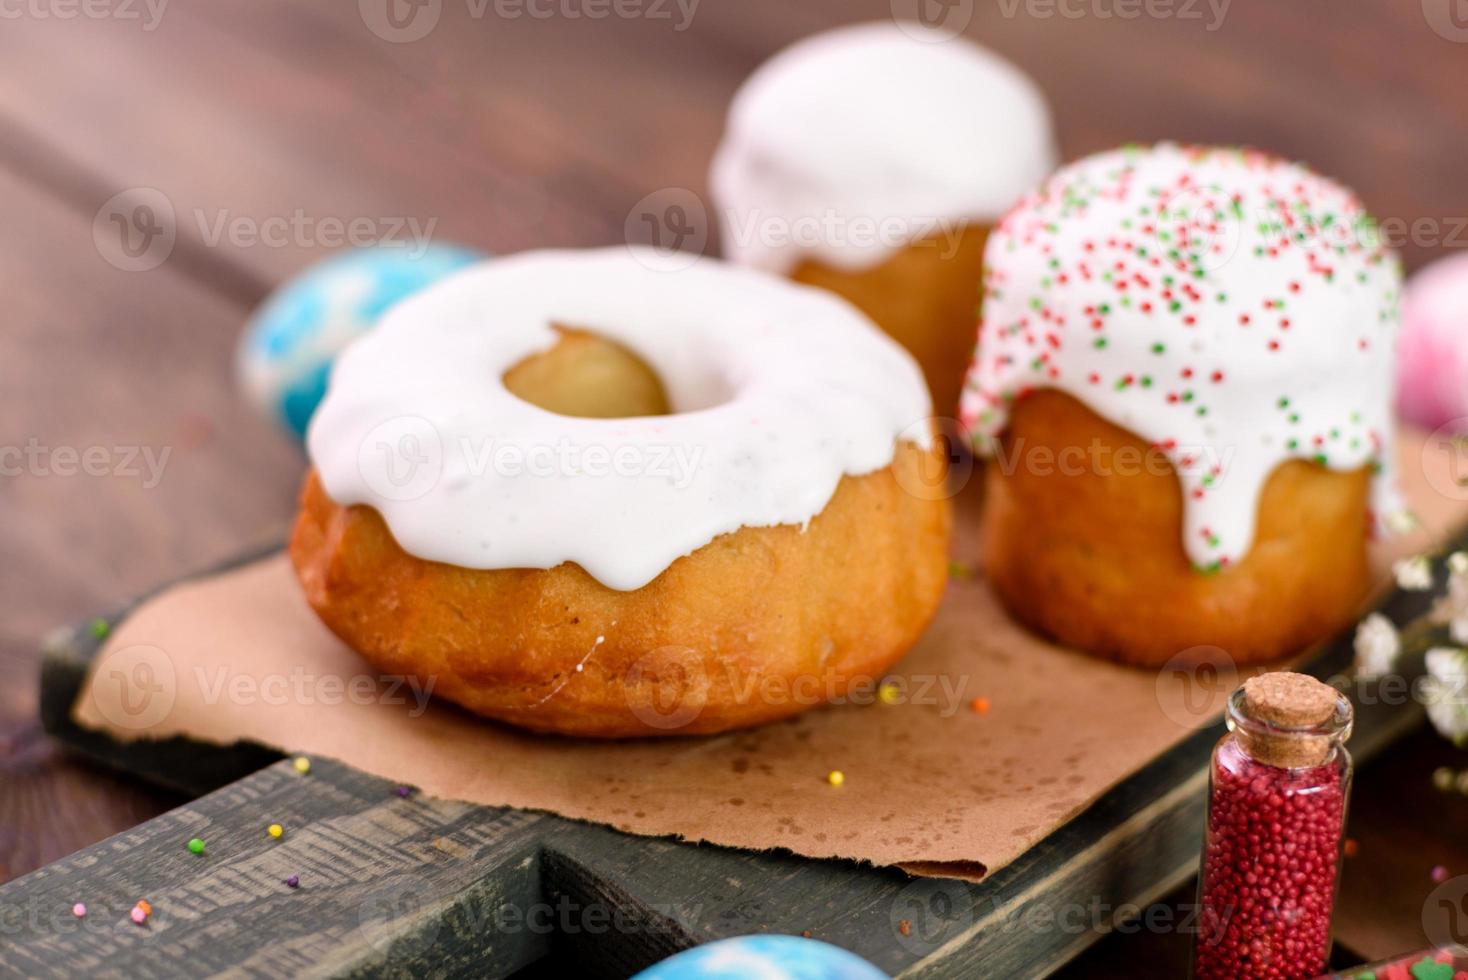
(782, 390)
(854, 143)
(1231, 308)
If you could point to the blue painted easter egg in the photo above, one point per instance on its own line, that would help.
(288, 347)
(768, 957)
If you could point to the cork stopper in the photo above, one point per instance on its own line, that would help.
(1291, 721)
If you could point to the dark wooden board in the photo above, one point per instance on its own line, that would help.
(433, 887)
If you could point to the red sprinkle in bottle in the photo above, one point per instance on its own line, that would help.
(1276, 824)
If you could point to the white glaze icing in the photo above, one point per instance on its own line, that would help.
(780, 390)
(856, 142)
(1229, 307)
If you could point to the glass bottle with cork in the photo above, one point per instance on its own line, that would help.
(1278, 785)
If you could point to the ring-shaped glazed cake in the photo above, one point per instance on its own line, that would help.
(760, 524)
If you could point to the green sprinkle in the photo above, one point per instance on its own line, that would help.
(99, 628)
(1429, 969)
(1099, 343)
(1159, 348)
(196, 845)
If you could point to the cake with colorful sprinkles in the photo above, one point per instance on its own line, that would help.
(1185, 380)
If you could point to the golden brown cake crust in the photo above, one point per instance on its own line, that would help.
(756, 625)
(926, 297)
(1094, 557)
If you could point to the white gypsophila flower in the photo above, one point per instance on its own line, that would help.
(1458, 627)
(1446, 692)
(1377, 646)
(1413, 574)
(1452, 609)
(1402, 522)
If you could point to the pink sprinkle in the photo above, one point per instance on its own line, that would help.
(79, 910)
(1439, 874)
(139, 916)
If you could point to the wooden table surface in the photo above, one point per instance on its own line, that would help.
(512, 125)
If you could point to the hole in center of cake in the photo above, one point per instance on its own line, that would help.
(588, 376)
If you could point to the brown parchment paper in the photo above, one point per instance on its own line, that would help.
(930, 783)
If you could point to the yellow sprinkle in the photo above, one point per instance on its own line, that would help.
(888, 693)
(302, 764)
(275, 830)
(835, 777)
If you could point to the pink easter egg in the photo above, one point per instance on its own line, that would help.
(1432, 369)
